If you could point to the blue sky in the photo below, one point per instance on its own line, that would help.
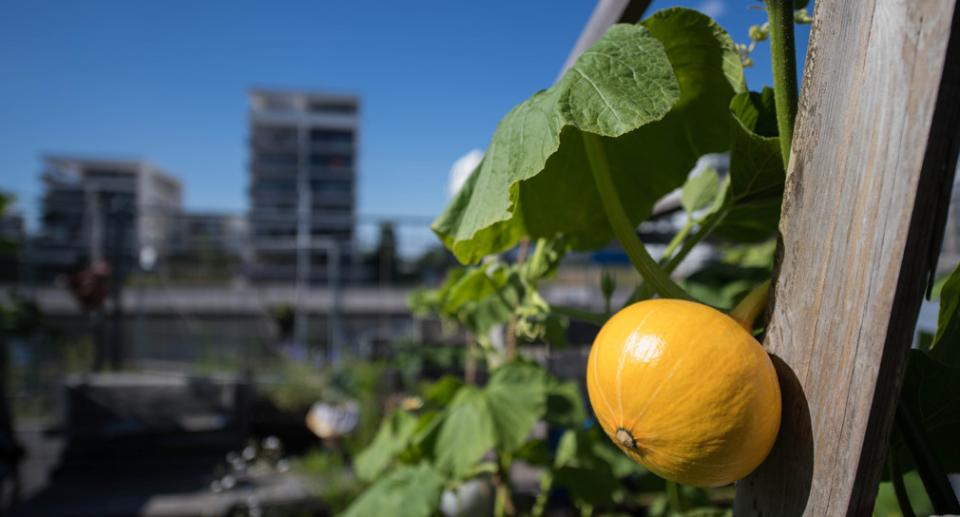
(167, 81)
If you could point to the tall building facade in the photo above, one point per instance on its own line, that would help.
(100, 209)
(303, 154)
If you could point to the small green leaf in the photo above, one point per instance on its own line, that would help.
(555, 330)
(700, 191)
(466, 434)
(566, 449)
(946, 344)
(545, 259)
(392, 437)
(564, 404)
(517, 398)
(653, 92)
(415, 489)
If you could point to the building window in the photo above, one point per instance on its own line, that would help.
(331, 187)
(275, 185)
(331, 136)
(331, 160)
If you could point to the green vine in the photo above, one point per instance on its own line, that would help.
(784, 59)
(622, 228)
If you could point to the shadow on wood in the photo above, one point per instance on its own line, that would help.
(792, 453)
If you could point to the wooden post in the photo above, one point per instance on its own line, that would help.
(868, 188)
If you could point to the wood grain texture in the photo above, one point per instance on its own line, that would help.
(868, 187)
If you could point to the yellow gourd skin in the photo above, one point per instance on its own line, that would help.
(685, 391)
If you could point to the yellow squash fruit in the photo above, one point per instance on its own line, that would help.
(684, 390)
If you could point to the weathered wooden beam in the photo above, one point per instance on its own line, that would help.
(868, 188)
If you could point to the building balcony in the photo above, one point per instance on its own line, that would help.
(294, 117)
(259, 195)
(257, 163)
(331, 172)
(270, 214)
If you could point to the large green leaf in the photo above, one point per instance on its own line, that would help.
(517, 397)
(466, 434)
(440, 393)
(946, 344)
(751, 209)
(413, 490)
(653, 92)
(756, 165)
(392, 437)
(930, 389)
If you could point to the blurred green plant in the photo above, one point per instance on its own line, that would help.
(329, 478)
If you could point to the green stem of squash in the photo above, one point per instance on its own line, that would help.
(784, 59)
(676, 242)
(504, 494)
(751, 306)
(596, 318)
(540, 504)
(623, 229)
(705, 228)
(673, 497)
